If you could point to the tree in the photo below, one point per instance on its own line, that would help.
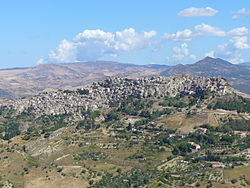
(112, 116)
(91, 182)
(233, 181)
(129, 127)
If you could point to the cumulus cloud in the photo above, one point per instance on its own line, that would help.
(184, 35)
(181, 54)
(240, 42)
(231, 50)
(198, 31)
(65, 52)
(193, 11)
(203, 30)
(242, 11)
(94, 44)
(240, 31)
(208, 30)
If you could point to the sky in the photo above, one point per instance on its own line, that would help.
(131, 31)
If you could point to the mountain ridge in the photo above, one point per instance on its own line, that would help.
(245, 64)
(23, 82)
(238, 76)
(17, 83)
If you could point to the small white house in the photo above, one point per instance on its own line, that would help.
(201, 130)
(216, 164)
(195, 147)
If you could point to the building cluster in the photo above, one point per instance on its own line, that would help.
(111, 91)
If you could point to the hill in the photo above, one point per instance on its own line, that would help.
(237, 75)
(245, 64)
(178, 131)
(23, 82)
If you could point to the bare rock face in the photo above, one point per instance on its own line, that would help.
(102, 94)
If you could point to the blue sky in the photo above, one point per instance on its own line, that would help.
(141, 31)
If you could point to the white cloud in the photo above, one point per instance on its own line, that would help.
(208, 30)
(242, 11)
(129, 39)
(240, 42)
(93, 44)
(193, 11)
(240, 31)
(184, 35)
(65, 52)
(198, 31)
(231, 50)
(40, 61)
(210, 54)
(203, 30)
(94, 34)
(181, 54)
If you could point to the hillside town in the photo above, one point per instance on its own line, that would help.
(103, 94)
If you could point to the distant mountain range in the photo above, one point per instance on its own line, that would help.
(245, 64)
(23, 82)
(237, 75)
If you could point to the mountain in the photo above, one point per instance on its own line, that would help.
(245, 64)
(238, 76)
(156, 66)
(23, 82)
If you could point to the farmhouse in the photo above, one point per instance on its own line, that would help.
(201, 130)
(241, 134)
(216, 164)
(246, 151)
(195, 147)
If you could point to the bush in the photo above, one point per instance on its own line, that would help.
(182, 148)
(173, 101)
(91, 182)
(237, 103)
(233, 181)
(112, 116)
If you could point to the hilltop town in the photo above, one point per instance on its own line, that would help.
(110, 92)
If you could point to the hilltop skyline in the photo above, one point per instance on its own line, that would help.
(129, 32)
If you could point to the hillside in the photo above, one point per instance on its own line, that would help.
(238, 76)
(111, 92)
(15, 83)
(245, 64)
(179, 131)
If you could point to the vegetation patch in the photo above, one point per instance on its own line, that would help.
(95, 156)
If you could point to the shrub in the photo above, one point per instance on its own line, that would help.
(233, 181)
